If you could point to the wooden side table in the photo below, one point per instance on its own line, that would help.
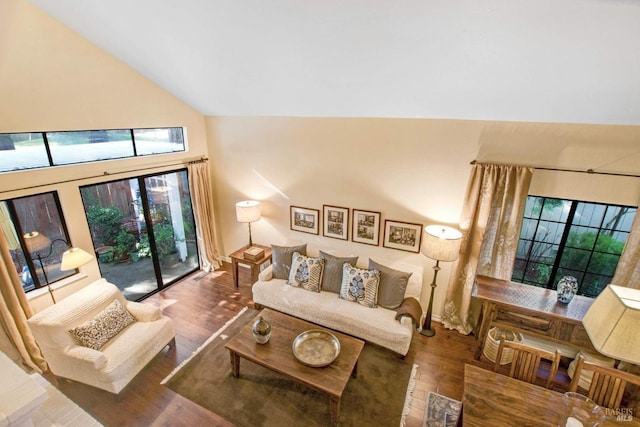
(256, 266)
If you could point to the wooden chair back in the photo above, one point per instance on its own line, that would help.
(608, 384)
(526, 361)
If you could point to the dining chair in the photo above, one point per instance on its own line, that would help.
(607, 385)
(526, 361)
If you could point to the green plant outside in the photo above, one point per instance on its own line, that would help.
(105, 224)
(124, 244)
(601, 265)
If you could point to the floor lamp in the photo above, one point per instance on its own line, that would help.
(248, 211)
(72, 258)
(440, 243)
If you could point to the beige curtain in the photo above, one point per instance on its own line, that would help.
(202, 198)
(628, 270)
(14, 312)
(490, 224)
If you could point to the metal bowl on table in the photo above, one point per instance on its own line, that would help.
(316, 348)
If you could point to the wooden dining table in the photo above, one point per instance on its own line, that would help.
(493, 399)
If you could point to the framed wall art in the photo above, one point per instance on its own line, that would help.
(366, 227)
(404, 236)
(335, 222)
(305, 219)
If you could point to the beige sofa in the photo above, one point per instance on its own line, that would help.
(392, 329)
(113, 365)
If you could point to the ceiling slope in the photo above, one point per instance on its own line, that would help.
(570, 61)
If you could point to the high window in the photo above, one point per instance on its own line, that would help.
(571, 238)
(31, 150)
(37, 236)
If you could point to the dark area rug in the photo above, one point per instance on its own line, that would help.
(261, 397)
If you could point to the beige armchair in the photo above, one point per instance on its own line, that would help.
(115, 363)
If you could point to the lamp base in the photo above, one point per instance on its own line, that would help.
(428, 332)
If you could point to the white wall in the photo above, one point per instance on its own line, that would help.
(53, 79)
(409, 170)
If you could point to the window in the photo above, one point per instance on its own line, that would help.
(37, 236)
(143, 231)
(31, 150)
(571, 238)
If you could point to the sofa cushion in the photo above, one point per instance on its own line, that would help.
(393, 284)
(360, 285)
(306, 272)
(332, 275)
(414, 287)
(107, 324)
(281, 259)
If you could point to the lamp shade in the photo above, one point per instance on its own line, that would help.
(441, 243)
(36, 242)
(612, 323)
(248, 211)
(74, 258)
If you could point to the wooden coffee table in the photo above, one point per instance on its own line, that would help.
(277, 355)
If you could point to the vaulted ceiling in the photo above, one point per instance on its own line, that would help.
(572, 61)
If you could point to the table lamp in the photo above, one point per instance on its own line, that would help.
(612, 323)
(440, 243)
(248, 211)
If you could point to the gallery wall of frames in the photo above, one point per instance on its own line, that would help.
(357, 225)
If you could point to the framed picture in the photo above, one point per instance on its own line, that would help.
(404, 236)
(336, 222)
(366, 227)
(305, 219)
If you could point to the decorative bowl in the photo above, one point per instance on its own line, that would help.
(316, 348)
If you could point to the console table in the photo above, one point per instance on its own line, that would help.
(532, 311)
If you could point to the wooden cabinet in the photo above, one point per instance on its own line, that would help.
(531, 311)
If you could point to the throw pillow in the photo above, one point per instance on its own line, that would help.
(107, 324)
(360, 285)
(332, 275)
(306, 272)
(393, 284)
(281, 259)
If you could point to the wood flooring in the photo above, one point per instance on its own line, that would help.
(200, 305)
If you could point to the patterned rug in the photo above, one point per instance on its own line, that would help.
(441, 411)
(379, 396)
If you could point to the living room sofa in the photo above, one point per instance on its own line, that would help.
(389, 328)
(115, 363)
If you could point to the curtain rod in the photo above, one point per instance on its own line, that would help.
(105, 173)
(588, 171)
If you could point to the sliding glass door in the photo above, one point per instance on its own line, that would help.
(143, 231)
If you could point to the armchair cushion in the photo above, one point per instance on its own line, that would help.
(144, 312)
(107, 324)
(96, 359)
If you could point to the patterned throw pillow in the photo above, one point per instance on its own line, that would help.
(360, 285)
(96, 332)
(306, 272)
